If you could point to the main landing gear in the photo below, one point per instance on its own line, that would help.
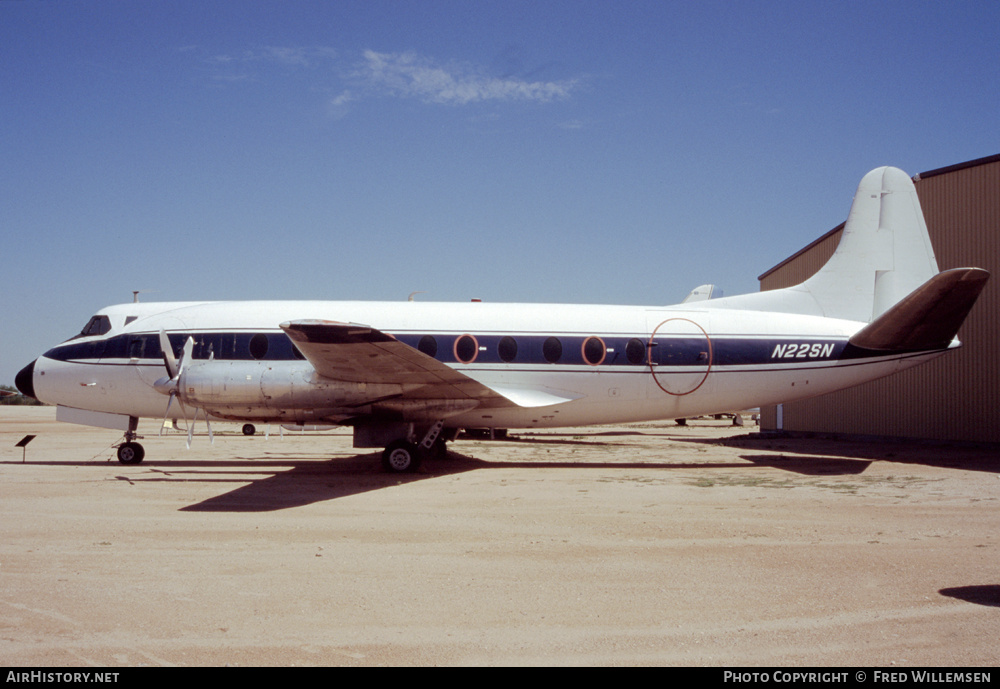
(401, 456)
(404, 456)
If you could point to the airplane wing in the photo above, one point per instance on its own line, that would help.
(361, 354)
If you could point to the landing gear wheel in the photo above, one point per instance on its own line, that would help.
(400, 456)
(130, 453)
(249, 429)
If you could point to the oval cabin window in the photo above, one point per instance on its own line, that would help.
(258, 346)
(552, 350)
(507, 349)
(428, 345)
(635, 351)
(466, 349)
(594, 350)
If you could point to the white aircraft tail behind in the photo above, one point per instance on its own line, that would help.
(884, 257)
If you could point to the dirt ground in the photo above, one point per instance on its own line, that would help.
(651, 544)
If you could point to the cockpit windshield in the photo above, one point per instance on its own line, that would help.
(98, 325)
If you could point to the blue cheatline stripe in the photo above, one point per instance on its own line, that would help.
(619, 350)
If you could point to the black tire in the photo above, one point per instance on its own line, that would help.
(130, 453)
(249, 429)
(400, 457)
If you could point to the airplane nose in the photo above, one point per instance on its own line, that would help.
(24, 380)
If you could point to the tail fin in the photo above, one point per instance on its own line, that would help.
(884, 254)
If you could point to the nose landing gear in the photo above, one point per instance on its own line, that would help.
(129, 451)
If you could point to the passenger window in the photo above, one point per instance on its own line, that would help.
(507, 349)
(552, 350)
(428, 345)
(635, 351)
(258, 346)
(594, 350)
(466, 349)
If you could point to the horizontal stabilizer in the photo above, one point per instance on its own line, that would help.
(929, 317)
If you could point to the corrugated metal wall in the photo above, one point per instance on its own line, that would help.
(956, 397)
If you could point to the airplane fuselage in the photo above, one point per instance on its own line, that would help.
(575, 364)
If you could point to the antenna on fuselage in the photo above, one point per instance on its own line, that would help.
(137, 292)
(413, 294)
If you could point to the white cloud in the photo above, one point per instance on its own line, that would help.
(337, 106)
(408, 75)
(277, 55)
(405, 75)
(343, 99)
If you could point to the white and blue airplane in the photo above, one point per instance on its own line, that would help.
(408, 376)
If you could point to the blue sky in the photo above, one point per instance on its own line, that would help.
(606, 152)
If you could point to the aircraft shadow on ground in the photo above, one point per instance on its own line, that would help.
(793, 453)
(277, 481)
(312, 481)
(987, 594)
(809, 465)
(308, 482)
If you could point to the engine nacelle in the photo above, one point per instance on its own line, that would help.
(278, 390)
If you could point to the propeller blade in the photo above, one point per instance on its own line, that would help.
(168, 355)
(191, 427)
(166, 415)
(170, 401)
(173, 386)
(185, 356)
